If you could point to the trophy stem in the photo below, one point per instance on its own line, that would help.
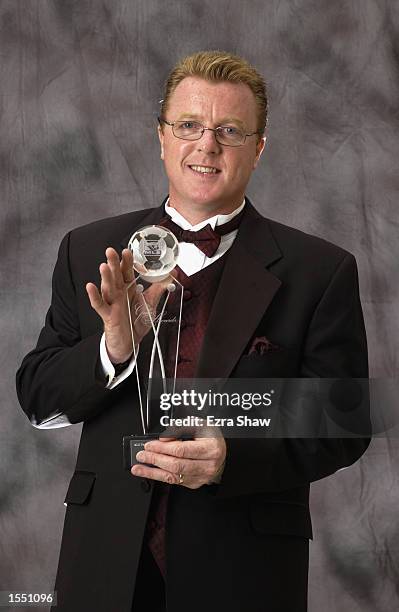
(155, 345)
(156, 348)
(135, 353)
(178, 333)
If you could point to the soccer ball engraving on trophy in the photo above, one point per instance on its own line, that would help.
(155, 250)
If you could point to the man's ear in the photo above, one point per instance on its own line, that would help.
(160, 136)
(259, 150)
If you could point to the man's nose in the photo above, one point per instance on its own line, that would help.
(208, 142)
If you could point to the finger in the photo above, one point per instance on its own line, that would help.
(107, 284)
(126, 266)
(170, 464)
(114, 266)
(204, 448)
(132, 292)
(155, 474)
(194, 471)
(96, 301)
(140, 267)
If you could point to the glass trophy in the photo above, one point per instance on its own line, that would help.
(155, 251)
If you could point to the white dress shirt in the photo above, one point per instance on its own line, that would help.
(191, 260)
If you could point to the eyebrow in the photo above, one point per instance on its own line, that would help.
(222, 122)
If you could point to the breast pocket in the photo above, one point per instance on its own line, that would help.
(272, 364)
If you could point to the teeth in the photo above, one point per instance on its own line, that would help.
(204, 169)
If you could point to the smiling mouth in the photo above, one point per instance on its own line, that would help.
(204, 169)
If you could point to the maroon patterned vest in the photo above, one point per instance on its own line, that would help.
(199, 291)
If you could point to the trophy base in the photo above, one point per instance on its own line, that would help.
(132, 445)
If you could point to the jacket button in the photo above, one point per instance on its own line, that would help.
(187, 295)
(145, 485)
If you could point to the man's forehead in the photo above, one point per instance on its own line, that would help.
(196, 97)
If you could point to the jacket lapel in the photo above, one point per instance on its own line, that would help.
(245, 292)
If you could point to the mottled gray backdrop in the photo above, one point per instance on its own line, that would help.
(79, 90)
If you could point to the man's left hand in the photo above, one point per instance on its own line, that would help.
(190, 463)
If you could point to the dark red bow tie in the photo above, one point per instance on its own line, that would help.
(206, 239)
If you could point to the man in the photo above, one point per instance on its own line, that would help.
(232, 516)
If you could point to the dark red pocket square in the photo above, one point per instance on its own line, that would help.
(262, 345)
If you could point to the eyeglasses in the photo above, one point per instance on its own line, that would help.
(227, 135)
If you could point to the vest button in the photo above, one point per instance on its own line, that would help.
(145, 485)
(187, 295)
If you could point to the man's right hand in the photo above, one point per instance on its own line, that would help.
(117, 278)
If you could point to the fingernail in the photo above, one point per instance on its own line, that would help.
(140, 455)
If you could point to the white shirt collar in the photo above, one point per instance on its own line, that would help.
(213, 221)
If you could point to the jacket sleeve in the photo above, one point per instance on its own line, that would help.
(335, 347)
(62, 375)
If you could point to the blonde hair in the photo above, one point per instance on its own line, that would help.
(219, 66)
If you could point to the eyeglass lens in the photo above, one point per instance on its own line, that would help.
(192, 130)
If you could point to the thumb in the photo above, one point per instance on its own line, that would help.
(96, 301)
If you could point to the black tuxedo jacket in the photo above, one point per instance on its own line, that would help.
(238, 545)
